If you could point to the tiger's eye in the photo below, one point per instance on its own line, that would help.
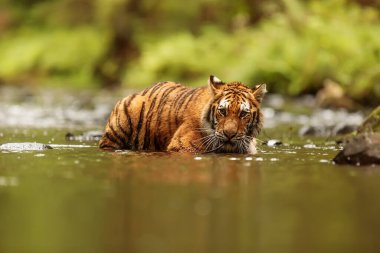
(223, 111)
(243, 114)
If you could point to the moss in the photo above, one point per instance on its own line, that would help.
(371, 123)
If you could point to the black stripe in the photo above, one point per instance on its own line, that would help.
(104, 146)
(154, 88)
(123, 131)
(110, 137)
(160, 107)
(210, 116)
(245, 95)
(145, 91)
(126, 105)
(255, 103)
(258, 121)
(139, 124)
(228, 96)
(157, 145)
(180, 103)
(181, 99)
(164, 97)
(191, 97)
(256, 117)
(117, 136)
(252, 124)
(147, 124)
(173, 106)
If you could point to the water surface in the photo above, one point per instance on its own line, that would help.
(77, 198)
(289, 198)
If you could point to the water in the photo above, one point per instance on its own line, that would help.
(288, 198)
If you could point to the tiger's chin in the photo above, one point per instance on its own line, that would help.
(234, 147)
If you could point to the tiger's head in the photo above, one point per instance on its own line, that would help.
(233, 118)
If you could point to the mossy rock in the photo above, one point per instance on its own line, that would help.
(363, 146)
(363, 149)
(371, 124)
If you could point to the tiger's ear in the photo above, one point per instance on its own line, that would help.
(259, 91)
(215, 84)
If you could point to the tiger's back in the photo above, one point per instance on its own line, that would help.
(149, 119)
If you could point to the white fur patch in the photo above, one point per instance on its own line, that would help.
(245, 106)
(216, 80)
(223, 104)
(252, 147)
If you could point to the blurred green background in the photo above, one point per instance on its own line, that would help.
(293, 46)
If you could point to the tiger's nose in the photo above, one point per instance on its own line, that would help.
(229, 133)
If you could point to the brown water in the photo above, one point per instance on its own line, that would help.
(290, 198)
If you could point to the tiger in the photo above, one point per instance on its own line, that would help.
(221, 118)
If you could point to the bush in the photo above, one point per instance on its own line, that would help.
(294, 52)
(291, 45)
(58, 56)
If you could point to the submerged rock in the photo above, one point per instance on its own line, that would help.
(360, 150)
(24, 146)
(86, 136)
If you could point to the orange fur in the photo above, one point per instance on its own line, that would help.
(224, 117)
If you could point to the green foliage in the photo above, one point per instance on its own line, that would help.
(291, 45)
(293, 52)
(59, 56)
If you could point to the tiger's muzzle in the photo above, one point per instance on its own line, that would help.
(230, 130)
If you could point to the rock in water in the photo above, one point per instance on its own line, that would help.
(360, 150)
(272, 143)
(371, 123)
(24, 146)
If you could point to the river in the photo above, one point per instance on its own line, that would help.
(77, 198)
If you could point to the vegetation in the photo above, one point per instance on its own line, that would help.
(371, 123)
(291, 45)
